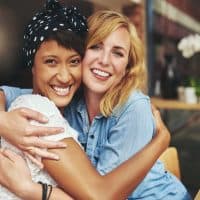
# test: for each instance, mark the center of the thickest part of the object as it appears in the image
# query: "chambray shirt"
(110, 141)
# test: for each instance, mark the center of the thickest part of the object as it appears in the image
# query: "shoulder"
(136, 100)
(31, 99)
(137, 95)
(35, 102)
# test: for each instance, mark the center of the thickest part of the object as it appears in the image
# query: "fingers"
(35, 160)
(42, 143)
(161, 129)
(155, 110)
(2, 156)
(33, 115)
(156, 114)
(34, 151)
(43, 131)
(9, 154)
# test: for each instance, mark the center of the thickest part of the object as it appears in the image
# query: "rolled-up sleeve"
(132, 131)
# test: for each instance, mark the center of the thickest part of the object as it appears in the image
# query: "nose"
(63, 74)
(104, 58)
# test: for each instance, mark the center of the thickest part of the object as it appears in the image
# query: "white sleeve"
(49, 109)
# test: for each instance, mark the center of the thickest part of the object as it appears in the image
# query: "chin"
(99, 90)
(60, 102)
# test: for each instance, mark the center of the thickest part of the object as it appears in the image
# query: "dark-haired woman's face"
(56, 73)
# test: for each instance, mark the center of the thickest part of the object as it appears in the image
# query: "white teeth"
(61, 91)
(100, 73)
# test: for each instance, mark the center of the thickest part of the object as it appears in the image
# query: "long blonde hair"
(101, 24)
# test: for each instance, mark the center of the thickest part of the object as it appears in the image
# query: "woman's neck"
(93, 104)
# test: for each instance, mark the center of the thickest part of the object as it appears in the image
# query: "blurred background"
(170, 32)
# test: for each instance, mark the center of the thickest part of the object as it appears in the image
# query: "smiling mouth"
(100, 73)
(61, 91)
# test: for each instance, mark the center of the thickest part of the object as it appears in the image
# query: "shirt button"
(92, 136)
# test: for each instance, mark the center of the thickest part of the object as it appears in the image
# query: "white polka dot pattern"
(51, 18)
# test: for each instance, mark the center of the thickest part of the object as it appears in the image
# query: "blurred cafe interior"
(170, 31)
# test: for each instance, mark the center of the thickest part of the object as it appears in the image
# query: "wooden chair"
(171, 161)
(197, 197)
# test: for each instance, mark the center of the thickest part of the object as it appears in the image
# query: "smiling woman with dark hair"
(54, 45)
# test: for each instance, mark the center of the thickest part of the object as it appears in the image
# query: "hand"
(16, 177)
(15, 127)
(14, 173)
(161, 129)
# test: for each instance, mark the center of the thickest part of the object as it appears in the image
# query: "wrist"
(32, 191)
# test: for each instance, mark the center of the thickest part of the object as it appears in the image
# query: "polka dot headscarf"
(52, 17)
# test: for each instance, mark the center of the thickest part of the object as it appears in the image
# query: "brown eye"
(50, 62)
(75, 62)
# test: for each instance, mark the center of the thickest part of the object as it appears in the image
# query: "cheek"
(120, 68)
(43, 76)
(84, 63)
(77, 74)
(88, 58)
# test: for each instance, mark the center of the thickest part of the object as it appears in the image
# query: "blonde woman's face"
(105, 63)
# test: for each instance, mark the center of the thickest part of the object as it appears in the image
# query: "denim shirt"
(110, 141)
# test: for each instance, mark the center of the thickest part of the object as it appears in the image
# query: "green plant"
(194, 82)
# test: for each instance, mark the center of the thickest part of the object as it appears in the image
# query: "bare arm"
(25, 137)
(77, 177)
(12, 167)
(115, 185)
(78, 169)
(74, 167)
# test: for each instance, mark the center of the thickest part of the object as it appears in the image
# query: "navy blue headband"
(52, 17)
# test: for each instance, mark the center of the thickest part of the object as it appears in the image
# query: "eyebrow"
(55, 56)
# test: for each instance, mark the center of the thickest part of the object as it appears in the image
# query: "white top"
(48, 108)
